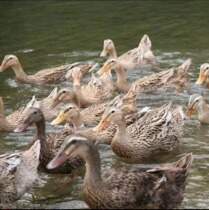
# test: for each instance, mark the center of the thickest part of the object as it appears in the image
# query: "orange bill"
(201, 78)
(60, 118)
(104, 69)
(190, 111)
(102, 125)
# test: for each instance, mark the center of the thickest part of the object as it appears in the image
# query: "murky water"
(47, 34)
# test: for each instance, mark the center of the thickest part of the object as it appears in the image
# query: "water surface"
(45, 34)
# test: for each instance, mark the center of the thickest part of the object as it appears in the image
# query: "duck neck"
(77, 90)
(2, 116)
(202, 108)
(19, 72)
(77, 121)
(121, 126)
(113, 53)
(121, 77)
(76, 100)
(121, 130)
(40, 130)
(207, 83)
(93, 167)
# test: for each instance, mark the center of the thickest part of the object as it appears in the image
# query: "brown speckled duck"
(46, 76)
(172, 78)
(95, 91)
(71, 113)
(50, 142)
(133, 58)
(126, 187)
(203, 75)
(18, 171)
(157, 131)
(93, 114)
(45, 105)
(197, 102)
(9, 122)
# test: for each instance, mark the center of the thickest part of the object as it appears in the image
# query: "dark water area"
(44, 34)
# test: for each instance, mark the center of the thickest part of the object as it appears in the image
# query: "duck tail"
(76, 75)
(145, 42)
(186, 65)
(34, 151)
(185, 162)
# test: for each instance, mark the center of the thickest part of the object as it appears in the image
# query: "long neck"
(203, 108)
(77, 121)
(19, 72)
(121, 77)
(207, 83)
(121, 131)
(40, 130)
(113, 53)
(93, 167)
(77, 90)
(2, 109)
(76, 100)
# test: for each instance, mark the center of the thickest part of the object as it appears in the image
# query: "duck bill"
(60, 118)
(55, 103)
(201, 79)
(3, 67)
(22, 127)
(104, 69)
(102, 125)
(60, 158)
(103, 53)
(190, 112)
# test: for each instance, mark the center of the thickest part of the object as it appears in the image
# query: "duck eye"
(35, 112)
(73, 141)
(64, 91)
(113, 111)
(207, 67)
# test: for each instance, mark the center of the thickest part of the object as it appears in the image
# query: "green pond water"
(45, 34)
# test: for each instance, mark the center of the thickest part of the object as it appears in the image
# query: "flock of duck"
(102, 112)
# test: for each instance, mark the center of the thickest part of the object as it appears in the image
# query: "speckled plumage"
(133, 58)
(157, 130)
(173, 78)
(45, 76)
(50, 143)
(127, 187)
(18, 171)
(9, 122)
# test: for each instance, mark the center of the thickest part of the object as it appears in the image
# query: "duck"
(126, 187)
(203, 75)
(92, 115)
(175, 77)
(71, 114)
(9, 122)
(45, 76)
(93, 92)
(49, 143)
(133, 58)
(45, 105)
(159, 130)
(197, 102)
(18, 171)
